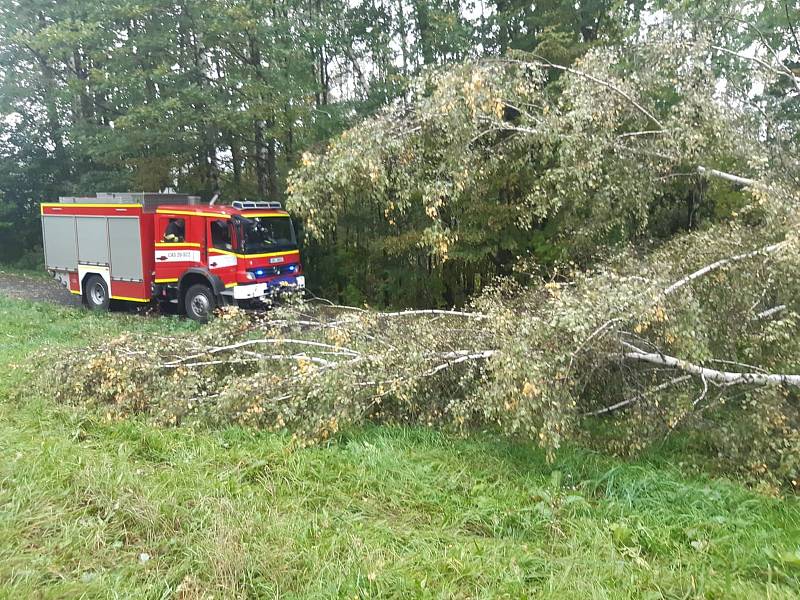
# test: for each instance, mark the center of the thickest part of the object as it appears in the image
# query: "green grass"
(38, 272)
(382, 512)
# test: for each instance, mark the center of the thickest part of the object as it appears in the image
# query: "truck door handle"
(162, 257)
(213, 264)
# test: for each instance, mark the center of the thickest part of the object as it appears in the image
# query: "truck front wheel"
(199, 302)
(95, 293)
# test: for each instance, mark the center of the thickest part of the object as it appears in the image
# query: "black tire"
(199, 303)
(96, 295)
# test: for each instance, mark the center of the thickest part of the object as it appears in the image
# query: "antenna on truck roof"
(214, 199)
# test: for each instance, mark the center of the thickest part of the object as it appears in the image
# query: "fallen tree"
(699, 333)
(684, 338)
(493, 162)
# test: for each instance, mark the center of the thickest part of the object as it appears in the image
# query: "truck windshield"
(266, 234)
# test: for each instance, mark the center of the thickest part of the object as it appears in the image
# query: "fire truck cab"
(171, 248)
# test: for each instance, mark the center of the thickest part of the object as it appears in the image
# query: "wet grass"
(94, 508)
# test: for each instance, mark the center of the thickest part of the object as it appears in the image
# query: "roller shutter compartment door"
(126, 248)
(92, 240)
(59, 242)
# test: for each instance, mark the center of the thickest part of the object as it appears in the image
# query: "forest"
(242, 97)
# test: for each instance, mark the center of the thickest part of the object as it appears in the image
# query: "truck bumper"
(256, 290)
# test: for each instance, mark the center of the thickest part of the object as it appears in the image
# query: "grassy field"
(91, 508)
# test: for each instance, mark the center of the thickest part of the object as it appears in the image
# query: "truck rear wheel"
(199, 302)
(95, 293)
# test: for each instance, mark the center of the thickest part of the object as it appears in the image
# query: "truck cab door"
(222, 259)
(179, 242)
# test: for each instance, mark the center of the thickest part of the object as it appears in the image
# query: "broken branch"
(720, 377)
(721, 263)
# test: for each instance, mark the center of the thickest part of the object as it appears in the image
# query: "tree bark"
(236, 159)
(272, 169)
(86, 106)
(262, 177)
(719, 264)
(424, 31)
(53, 119)
(721, 377)
(727, 176)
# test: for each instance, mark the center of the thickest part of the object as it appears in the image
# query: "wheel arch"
(86, 276)
(86, 271)
(195, 276)
(85, 283)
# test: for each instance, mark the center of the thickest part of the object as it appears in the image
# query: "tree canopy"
(517, 157)
(207, 96)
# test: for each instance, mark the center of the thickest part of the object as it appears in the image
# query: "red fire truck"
(171, 248)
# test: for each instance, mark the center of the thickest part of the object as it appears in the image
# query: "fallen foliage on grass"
(698, 336)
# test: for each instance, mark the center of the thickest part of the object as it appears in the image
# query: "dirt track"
(39, 289)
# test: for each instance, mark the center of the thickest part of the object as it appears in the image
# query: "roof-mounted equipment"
(246, 205)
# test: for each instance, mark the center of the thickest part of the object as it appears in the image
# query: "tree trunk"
(322, 65)
(84, 100)
(236, 159)
(266, 161)
(53, 120)
(262, 176)
(272, 169)
(721, 377)
(288, 151)
(424, 30)
(212, 171)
